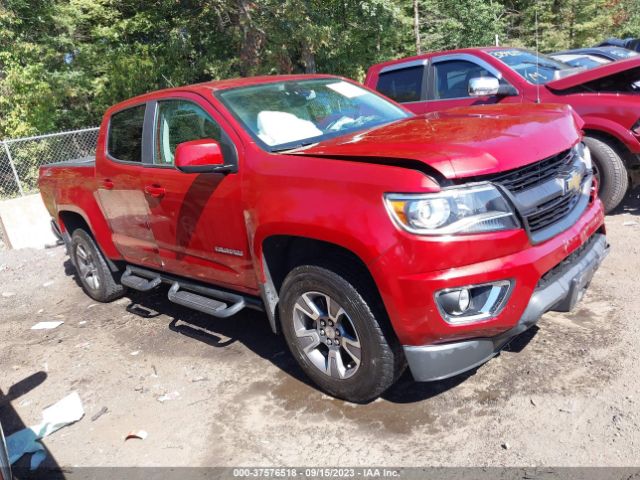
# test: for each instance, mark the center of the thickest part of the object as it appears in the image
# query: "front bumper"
(559, 290)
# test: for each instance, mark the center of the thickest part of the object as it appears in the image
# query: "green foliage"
(561, 24)
(464, 23)
(63, 62)
(626, 18)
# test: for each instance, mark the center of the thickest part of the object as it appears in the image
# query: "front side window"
(535, 68)
(181, 121)
(284, 115)
(403, 85)
(451, 78)
(125, 134)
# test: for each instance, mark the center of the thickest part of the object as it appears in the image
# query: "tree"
(465, 23)
(561, 24)
(63, 62)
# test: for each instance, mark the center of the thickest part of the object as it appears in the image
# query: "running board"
(131, 280)
(218, 303)
(206, 304)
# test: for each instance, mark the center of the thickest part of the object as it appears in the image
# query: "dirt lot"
(566, 394)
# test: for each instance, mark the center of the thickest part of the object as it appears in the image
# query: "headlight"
(583, 152)
(474, 209)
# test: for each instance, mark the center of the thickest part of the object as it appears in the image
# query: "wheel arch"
(282, 253)
(611, 140)
(70, 220)
(613, 134)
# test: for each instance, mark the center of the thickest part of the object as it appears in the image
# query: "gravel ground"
(215, 392)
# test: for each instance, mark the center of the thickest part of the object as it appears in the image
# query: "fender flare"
(613, 129)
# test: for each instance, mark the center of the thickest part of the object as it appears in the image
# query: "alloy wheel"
(87, 267)
(326, 335)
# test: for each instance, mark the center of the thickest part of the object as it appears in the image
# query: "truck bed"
(67, 183)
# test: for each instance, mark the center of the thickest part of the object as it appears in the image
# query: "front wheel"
(335, 337)
(610, 172)
(93, 272)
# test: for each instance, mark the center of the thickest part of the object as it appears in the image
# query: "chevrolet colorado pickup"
(606, 97)
(369, 236)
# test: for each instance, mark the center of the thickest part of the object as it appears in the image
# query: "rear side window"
(125, 134)
(404, 85)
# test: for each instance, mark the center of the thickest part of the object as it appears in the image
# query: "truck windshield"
(537, 69)
(290, 114)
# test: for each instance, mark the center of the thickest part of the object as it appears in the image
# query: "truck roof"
(424, 56)
(206, 88)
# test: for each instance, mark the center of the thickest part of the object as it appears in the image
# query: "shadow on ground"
(251, 328)
(630, 203)
(12, 422)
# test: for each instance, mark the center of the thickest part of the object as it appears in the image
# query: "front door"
(449, 79)
(196, 219)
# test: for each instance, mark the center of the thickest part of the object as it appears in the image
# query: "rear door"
(406, 83)
(119, 190)
(196, 219)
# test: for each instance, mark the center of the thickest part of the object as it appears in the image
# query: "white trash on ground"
(67, 411)
(169, 396)
(47, 325)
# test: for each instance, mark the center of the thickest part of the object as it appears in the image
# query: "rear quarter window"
(403, 85)
(125, 134)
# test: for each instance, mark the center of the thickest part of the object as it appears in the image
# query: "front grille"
(541, 195)
(531, 175)
(550, 212)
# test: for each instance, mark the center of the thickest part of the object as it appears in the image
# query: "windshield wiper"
(293, 147)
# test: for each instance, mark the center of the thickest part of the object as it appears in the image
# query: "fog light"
(473, 303)
(464, 300)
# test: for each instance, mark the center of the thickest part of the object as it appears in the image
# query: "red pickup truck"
(607, 98)
(371, 237)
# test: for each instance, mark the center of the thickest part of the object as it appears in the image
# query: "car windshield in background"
(286, 115)
(537, 69)
(581, 61)
(620, 53)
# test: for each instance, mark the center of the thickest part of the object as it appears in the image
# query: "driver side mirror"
(201, 156)
(489, 86)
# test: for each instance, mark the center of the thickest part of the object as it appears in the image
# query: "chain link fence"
(20, 158)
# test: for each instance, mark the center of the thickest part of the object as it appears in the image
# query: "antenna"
(168, 80)
(537, 61)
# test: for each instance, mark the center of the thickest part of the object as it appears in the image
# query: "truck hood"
(461, 142)
(608, 70)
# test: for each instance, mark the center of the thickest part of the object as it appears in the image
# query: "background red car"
(606, 98)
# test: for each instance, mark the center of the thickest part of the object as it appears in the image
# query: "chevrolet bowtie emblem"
(572, 183)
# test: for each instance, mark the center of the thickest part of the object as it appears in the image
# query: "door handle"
(107, 184)
(156, 191)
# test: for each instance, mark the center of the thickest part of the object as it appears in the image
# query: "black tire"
(611, 170)
(105, 289)
(381, 357)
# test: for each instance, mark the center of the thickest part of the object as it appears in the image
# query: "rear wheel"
(335, 337)
(93, 272)
(610, 172)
